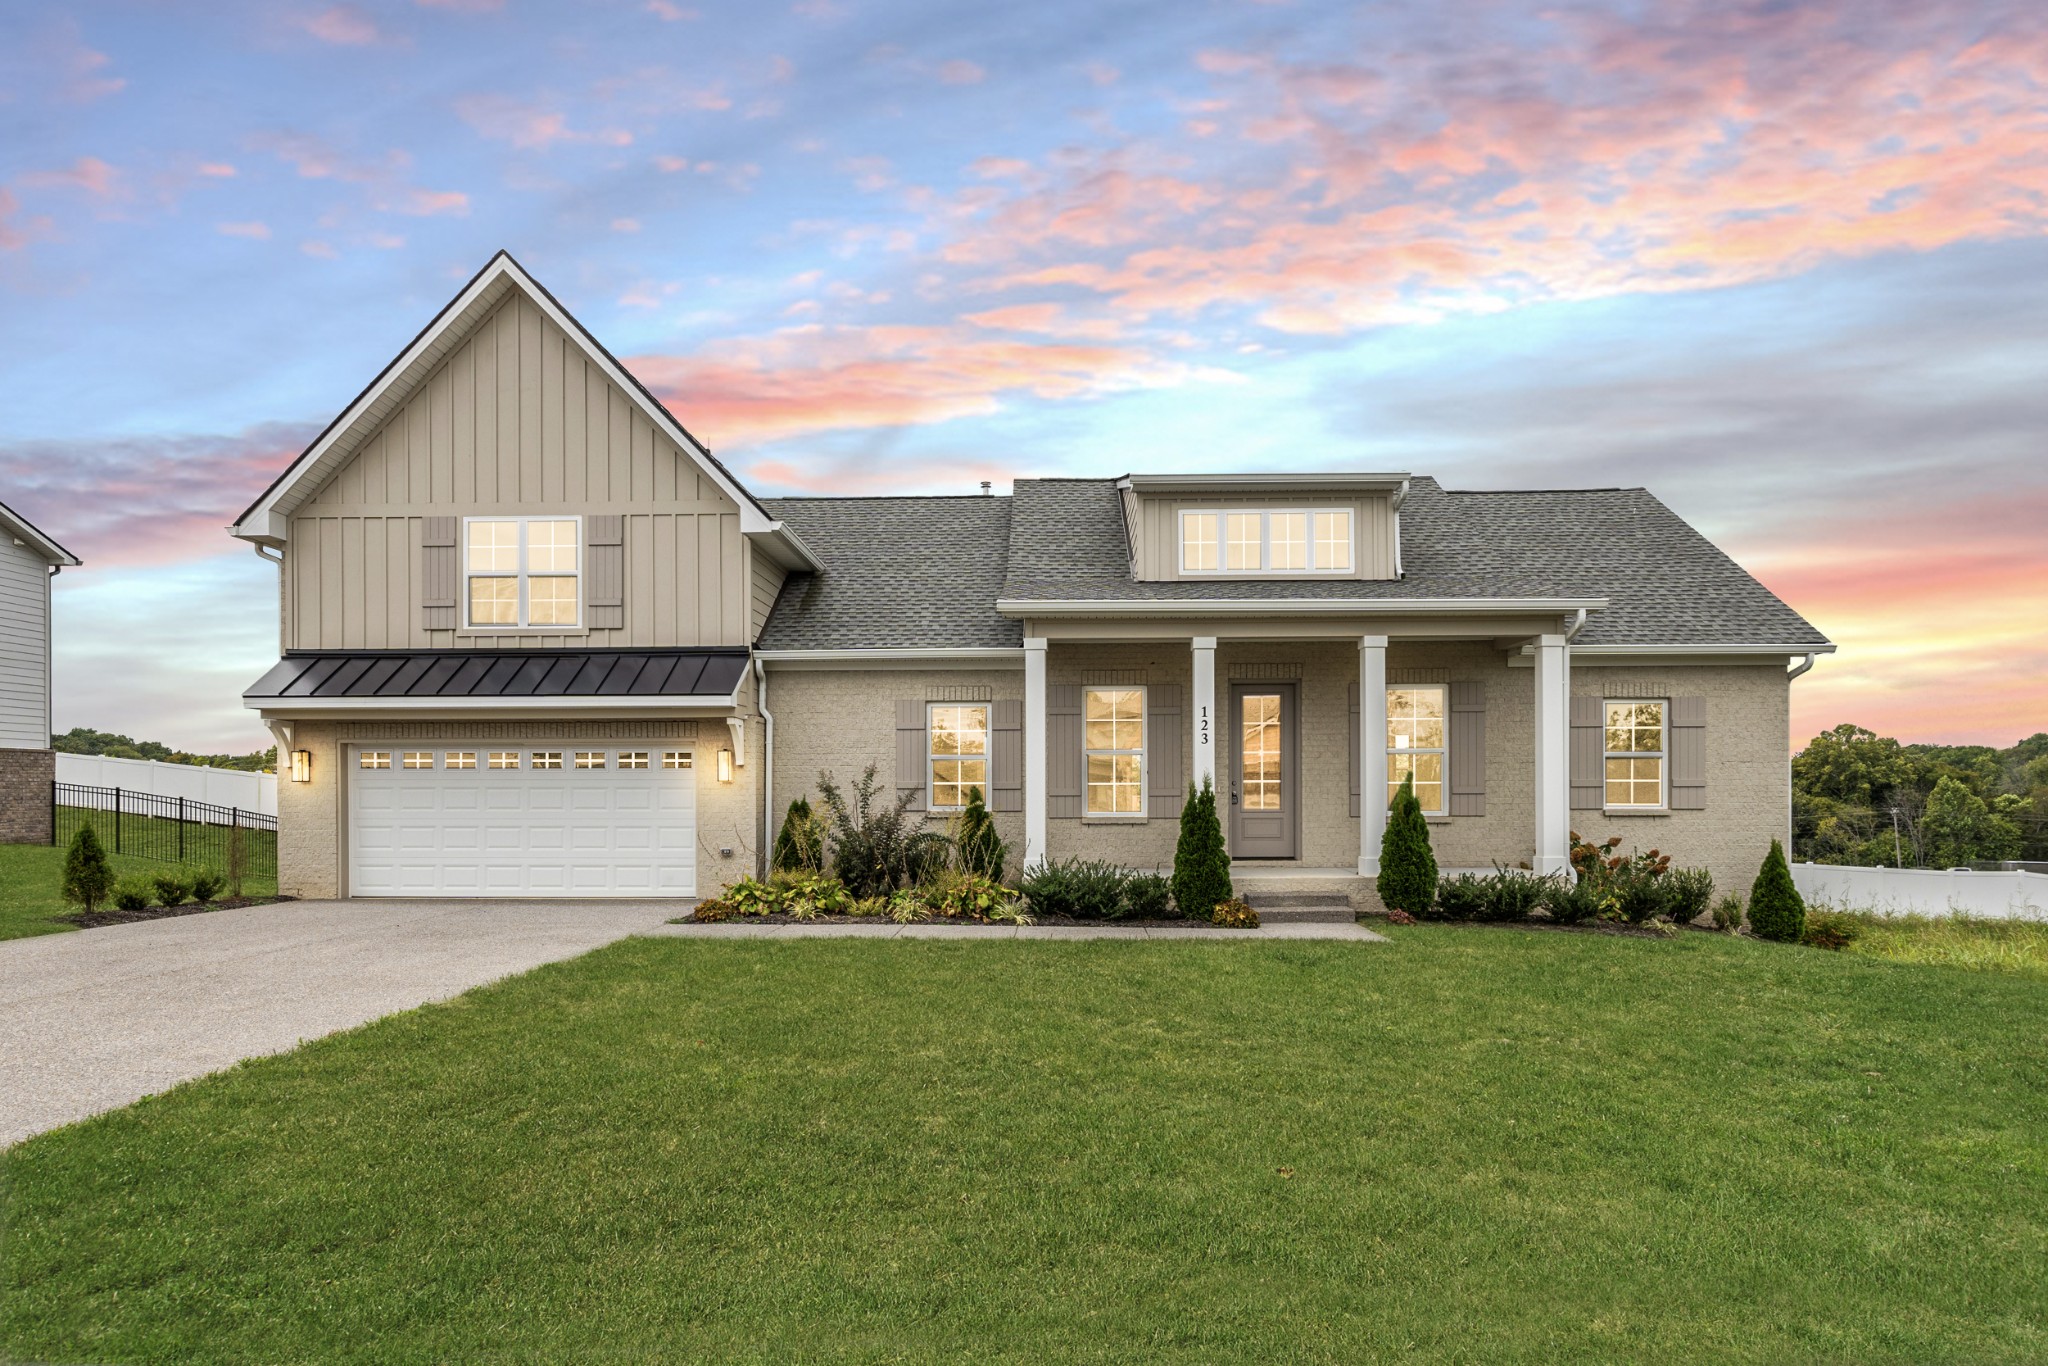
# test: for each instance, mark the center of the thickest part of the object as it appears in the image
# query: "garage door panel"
(600, 830)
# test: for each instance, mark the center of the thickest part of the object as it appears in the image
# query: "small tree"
(1201, 865)
(982, 850)
(800, 843)
(1407, 880)
(1776, 910)
(88, 880)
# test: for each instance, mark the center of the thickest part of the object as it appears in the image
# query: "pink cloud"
(258, 230)
(670, 12)
(343, 25)
(87, 174)
(323, 250)
(961, 72)
(531, 127)
(465, 6)
(18, 233)
(383, 179)
(216, 170)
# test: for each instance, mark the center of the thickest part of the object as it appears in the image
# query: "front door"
(1265, 810)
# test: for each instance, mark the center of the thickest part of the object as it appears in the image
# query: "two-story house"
(29, 560)
(537, 641)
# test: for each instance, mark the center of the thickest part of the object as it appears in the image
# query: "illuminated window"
(958, 755)
(1635, 754)
(633, 759)
(547, 758)
(418, 758)
(1113, 747)
(374, 758)
(1283, 541)
(459, 758)
(522, 571)
(1415, 744)
(590, 758)
(675, 758)
(504, 758)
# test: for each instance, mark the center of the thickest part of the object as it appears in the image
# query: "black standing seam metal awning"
(428, 674)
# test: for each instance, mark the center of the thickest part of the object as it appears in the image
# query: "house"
(538, 641)
(29, 560)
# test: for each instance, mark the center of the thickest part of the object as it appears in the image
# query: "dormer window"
(1266, 541)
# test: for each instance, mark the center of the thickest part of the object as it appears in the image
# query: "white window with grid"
(956, 738)
(1634, 754)
(1279, 541)
(522, 572)
(1416, 743)
(1113, 750)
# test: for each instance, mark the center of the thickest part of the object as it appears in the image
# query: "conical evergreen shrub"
(1407, 880)
(982, 850)
(800, 843)
(1776, 910)
(1201, 864)
(88, 879)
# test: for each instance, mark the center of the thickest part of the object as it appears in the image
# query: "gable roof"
(267, 518)
(938, 572)
(21, 527)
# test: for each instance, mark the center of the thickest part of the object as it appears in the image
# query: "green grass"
(1956, 941)
(1473, 1144)
(30, 875)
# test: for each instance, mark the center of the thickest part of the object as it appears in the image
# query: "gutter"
(993, 653)
(1212, 607)
(1803, 667)
(507, 706)
(1705, 648)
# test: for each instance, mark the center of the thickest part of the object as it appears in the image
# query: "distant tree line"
(82, 740)
(1863, 798)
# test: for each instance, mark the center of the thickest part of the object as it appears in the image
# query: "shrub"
(1827, 929)
(876, 850)
(1692, 892)
(1728, 913)
(970, 896)
(1512, 895)
(800, 843)
(751, 896)
(1463, 897)
(172, 888)
(87, 877)
(981, 849)
(1635, 889)
(1572, 900)
(906, 907)
(1201, 865)
(1775, 908)
(712, 911)
(1407, 880)
(1235, 914)
(132, 894)
(1148, 896)
(808, 895)
(1082, 889)
(868, 907)
(206, 884)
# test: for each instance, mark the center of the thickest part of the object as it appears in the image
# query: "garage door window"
(633, 758)
(459, 758)
(590, 758)
(676, 758)
(418, 758)
(504, 758)
(547, 758)
(374, 758)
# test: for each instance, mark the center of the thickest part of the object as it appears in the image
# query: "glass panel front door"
(1263, 819)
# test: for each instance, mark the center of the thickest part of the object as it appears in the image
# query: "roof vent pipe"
(987, 488)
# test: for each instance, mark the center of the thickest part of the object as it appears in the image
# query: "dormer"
(1196, 527)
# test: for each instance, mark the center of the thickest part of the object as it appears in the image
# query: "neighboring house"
(537, 641)
(28, 561)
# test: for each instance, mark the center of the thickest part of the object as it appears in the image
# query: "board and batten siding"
(24, 647)
(1158, 530)
(768, 578)
(515, 422)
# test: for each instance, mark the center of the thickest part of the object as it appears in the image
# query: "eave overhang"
(1321, 607)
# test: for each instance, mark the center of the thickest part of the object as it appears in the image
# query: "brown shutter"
(1063, 750)
(1165, 784)
(440, 577)
(1468, 747)
(1588, 753)
(1352, 750)
(910, 752)
(1006, 763)
(605, 566)
(1687, 726)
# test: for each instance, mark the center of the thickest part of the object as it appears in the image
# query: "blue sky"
(1781, 263)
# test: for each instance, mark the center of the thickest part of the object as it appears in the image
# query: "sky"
(1784, 264)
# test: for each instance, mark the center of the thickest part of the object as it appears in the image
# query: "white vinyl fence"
(1924, 891)
(218, 786)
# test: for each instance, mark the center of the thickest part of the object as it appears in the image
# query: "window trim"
(1662, 756)
(1221, 514)
(987, 755)
(1144, 752)
(521, 575)
(1442, 690)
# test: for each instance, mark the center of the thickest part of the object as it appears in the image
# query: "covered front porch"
(1294, 721)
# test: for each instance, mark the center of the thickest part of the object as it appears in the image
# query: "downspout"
(1578, 625)
(1804, 665)
(767, 759)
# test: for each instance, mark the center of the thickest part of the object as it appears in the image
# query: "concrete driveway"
(94, 1020)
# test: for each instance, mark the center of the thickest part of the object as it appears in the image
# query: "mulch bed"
(92, 920)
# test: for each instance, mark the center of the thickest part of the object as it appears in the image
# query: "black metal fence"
(168, 829)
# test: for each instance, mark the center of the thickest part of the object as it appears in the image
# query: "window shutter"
(440, 577)
(910, 752)
(1352, 749)
(1468, 747)
(1063, 750)
(604, 564)
(1588, 749)
(1687, 727)
(1165, 785)
(1006, 761)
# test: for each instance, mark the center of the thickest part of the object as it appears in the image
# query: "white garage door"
(485, 820)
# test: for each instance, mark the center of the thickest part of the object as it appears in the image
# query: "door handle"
(1233, 794)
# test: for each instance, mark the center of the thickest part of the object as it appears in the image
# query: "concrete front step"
(1285, 886)
(1340, 914)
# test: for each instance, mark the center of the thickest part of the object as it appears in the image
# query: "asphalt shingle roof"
(928, 571)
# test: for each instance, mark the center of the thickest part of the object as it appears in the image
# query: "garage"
(493, 819)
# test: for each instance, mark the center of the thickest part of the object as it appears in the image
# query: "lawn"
(31, 873)
(1471, 1144)
(1958, 941)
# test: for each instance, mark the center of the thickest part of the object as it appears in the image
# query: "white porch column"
(1553, 740)
(1034, 751)
(1372, 752)
(1203, 715)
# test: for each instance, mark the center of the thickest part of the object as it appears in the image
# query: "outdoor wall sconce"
(302, 765)
(725, 765)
